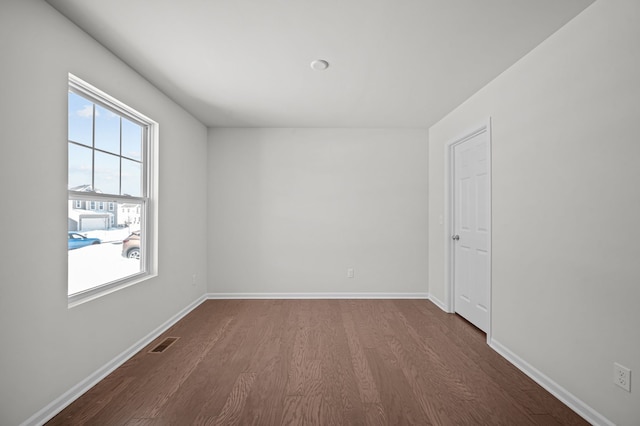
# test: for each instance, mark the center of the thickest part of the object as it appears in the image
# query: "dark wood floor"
(319, 362)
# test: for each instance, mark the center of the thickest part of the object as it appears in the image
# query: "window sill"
(103, 290)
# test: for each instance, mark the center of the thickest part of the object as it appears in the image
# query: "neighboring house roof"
(85, 188)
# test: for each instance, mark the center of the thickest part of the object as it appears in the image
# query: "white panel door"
(471, 239)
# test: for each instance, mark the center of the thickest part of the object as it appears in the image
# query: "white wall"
(46, 347)
(291, 209)
(566, 199)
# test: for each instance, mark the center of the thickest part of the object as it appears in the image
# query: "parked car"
(77, 241)
(131, 246)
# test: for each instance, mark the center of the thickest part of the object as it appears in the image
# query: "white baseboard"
(439, 303)
(317, 296)
(573, 402)
(60, 403)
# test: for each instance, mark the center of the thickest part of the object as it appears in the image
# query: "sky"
(118, 154)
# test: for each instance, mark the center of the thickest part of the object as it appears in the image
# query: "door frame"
(484, 127)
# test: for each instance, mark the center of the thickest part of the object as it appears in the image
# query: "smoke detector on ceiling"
(319, 65)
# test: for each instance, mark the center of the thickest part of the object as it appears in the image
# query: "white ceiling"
(393, 63)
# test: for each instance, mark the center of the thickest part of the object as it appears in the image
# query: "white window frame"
(148, 200)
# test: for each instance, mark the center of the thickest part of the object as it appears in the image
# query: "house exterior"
(128, 215)
(91, 215)
(81, 219)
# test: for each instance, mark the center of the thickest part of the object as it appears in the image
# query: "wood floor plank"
(301, 366)
(265, 401)
(366, 385)
(318, 362)
(306, 406)
(400, 406)
(375, 415)
(147, 422)
(339, 386)
(294, 411)
(230, 413)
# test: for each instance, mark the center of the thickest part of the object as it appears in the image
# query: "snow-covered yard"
(110, 235)
(99, 264)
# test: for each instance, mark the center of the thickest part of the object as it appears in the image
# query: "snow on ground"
(99, 264)
(109, 235)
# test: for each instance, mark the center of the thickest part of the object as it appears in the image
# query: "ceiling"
(393, 63)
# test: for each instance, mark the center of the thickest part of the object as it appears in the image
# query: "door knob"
(455, 237)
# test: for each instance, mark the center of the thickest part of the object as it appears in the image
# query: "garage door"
(93, 223)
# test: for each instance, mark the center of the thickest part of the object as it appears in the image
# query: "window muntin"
(110, 150)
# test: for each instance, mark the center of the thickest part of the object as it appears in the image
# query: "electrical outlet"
(193, 279)
(350, 272)
(622, 376)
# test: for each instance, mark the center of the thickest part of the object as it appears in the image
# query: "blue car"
(76, 241)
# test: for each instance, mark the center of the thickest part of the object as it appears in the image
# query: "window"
(111, 150)
(78, 204)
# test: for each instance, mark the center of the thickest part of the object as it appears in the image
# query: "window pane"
(131, 178)
(131, 140)
(107, 173)
(103, 246)
(107, 130)
(79, 167)
(80, 119)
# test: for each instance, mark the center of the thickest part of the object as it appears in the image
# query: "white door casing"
(469, 227)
